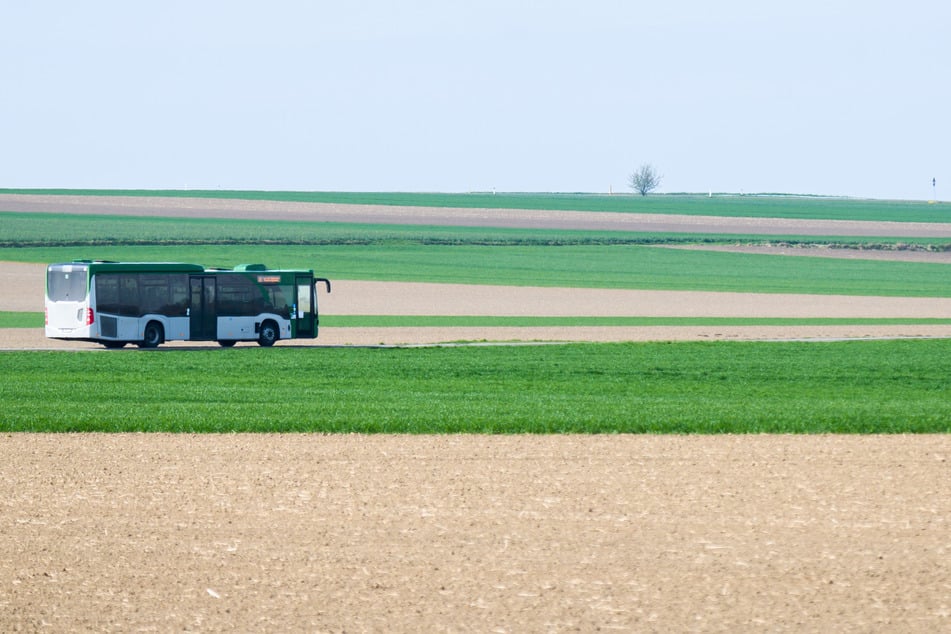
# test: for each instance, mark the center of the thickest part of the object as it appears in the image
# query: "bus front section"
(69, 314)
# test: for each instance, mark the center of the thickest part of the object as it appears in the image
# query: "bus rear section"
(115, 303)
(68, 311)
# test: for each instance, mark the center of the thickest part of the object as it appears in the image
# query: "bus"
(149, 303)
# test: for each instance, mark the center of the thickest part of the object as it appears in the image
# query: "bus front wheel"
(152, 336)
(268, 334)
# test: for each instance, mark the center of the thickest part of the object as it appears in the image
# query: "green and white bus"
(149, 303)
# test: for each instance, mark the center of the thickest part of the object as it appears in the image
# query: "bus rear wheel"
(268, 334)
(226, 343)
(152, 336)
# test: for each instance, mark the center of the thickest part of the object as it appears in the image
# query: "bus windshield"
(66, 283)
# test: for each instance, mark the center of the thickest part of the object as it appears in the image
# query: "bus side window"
(279, 299)
(107, 293)
(236, 296)
(158, 292)
(178, 296)
(154, 290)
(129, 295)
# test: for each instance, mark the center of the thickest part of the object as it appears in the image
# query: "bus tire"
(268, 334)
(152, 336)
(113, 345)
(227, 343)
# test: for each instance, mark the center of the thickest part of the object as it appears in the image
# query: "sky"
(816, 97)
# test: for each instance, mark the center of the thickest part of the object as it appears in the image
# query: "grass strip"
(12, 319)
(716, 387)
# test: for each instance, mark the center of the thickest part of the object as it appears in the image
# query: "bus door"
(304, 319)
(204, 316)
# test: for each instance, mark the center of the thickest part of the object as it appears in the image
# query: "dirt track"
(153, 532)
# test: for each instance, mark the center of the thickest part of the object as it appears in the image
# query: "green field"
(10, 319)
(846, 387)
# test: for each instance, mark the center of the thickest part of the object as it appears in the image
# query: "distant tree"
(645, 179)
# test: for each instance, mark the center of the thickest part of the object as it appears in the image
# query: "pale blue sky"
(811, 97)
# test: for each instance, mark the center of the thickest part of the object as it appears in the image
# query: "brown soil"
(313, 533)
(154, 532)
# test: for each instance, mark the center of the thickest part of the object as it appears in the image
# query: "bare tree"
(645, 179)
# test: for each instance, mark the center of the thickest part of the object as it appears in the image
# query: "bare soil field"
(351, 533)
(151, 532)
